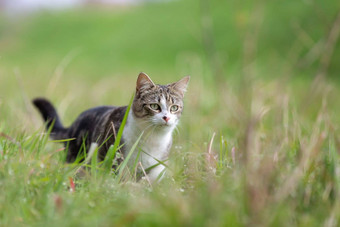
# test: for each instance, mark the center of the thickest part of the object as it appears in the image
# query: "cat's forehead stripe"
(154, 95)
(163, 103)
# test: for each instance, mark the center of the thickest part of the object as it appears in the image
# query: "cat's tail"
(51, 118)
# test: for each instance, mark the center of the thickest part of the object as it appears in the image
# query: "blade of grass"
(126, 160)
(221, 152)
(43, 141)
(146, 176)
(94, 161)
(136, 162)
(62, 141)
(110, 155)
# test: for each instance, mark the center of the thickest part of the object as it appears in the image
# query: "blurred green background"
(93, 49)
(264, 77)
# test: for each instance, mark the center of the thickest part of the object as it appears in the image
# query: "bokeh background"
(264, 79)
(89, 52)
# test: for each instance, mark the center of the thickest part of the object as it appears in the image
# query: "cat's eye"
(174, 108)
(155, 106)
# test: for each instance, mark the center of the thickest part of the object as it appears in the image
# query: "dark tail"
(51, 117)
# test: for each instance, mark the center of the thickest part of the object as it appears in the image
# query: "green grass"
(274, 158)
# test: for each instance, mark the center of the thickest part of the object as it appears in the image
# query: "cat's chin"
(166, 125)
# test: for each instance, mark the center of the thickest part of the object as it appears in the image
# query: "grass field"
(258, 143)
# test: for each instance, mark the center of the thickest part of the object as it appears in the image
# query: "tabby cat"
(155, 111)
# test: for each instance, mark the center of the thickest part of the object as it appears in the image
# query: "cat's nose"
(166, 119)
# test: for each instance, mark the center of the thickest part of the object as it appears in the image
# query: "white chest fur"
(154, 144)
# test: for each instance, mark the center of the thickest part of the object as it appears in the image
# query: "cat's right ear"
(181, 85)
(144, 81)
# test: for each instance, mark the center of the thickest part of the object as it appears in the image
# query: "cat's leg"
(156, 174)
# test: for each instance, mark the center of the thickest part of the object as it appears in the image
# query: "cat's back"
(97, 111)
(94, 114)
(92, 118)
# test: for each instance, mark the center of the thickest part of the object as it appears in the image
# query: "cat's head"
(160, 105)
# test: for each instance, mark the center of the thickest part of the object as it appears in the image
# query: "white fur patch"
(154, 143)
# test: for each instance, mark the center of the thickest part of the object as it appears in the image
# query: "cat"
(155, 112)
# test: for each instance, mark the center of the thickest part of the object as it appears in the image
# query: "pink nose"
(166, 119)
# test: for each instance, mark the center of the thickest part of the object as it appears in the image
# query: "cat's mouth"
(167, 124)
(164, 124)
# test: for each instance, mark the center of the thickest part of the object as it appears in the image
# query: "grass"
(258, 142)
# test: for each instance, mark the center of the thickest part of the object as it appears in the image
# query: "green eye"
(155, 106)
(174, 108)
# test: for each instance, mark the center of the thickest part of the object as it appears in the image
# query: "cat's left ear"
(181, 85)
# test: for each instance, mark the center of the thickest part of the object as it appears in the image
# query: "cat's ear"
(181, 85)
(144, 80)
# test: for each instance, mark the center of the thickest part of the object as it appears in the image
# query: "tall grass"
(277, 167)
